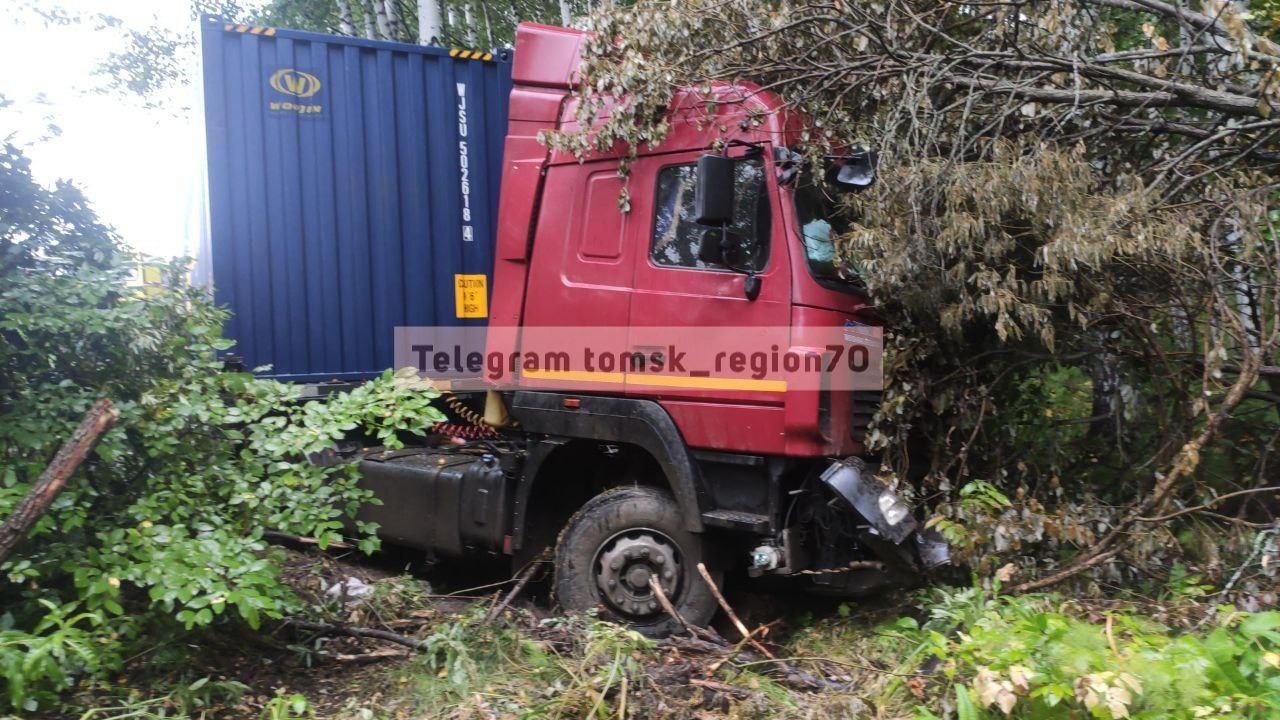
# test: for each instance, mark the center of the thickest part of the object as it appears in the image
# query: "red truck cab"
(567, 254)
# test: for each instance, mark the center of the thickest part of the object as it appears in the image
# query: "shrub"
(161, 530)
(1038, 657)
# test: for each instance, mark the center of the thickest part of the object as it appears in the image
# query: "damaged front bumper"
(891, 527)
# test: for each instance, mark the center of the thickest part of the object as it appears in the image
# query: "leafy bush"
(1037, 657)
(161, 529)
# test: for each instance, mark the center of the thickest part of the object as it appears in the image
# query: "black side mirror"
(713, 195)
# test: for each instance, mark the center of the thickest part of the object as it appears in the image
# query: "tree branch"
(46, 488)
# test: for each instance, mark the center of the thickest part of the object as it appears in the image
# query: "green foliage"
(48, 656)
(149, 63)
(198, 698)
(466, 23)
(1037, 657)
(288, 706)
(161, 529)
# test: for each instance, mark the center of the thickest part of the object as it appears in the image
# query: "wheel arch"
(632, 423)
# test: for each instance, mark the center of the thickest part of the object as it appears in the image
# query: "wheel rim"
(625, 562)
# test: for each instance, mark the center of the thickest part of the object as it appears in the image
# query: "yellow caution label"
(471, 296)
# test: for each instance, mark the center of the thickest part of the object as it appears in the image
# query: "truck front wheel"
(614, 544)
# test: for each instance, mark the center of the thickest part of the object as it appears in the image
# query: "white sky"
(139, 167)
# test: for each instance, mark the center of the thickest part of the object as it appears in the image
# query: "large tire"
(614, 543)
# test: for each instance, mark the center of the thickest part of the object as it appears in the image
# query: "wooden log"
(97, 421)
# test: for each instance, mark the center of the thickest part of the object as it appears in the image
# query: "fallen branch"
(665, 602)
(693, 645)
(839, 663)
(1184, 464)
(100, 418)
(358, 632)
(724, 605)
(723, 688)
(737, 650)
(1211, 503)
(277, 537)
(521, 580)
(369, 657)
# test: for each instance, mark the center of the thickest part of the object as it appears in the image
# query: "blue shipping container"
(350, 183)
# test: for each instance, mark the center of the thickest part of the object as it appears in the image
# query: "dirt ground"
(524, 662)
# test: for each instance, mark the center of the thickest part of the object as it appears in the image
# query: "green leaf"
(965, 709)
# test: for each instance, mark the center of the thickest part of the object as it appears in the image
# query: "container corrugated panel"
(350, 183)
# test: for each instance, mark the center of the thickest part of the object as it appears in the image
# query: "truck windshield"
(820, 225)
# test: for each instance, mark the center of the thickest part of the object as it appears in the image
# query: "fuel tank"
(449, 501)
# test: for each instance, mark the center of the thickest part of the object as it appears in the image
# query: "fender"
(643, 423)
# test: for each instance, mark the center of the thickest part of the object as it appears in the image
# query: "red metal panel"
(546, 56)
(728, 427)
(600, 241)
(565, 288)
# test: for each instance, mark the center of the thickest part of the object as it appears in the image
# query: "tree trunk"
(565, 13)
(394, 21)
(345, 24)
(488, 24)
(366, 7)
(430, 23)
(97, 421)
(384, 31)
(469, 19)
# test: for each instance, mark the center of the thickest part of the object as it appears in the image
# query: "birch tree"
(368, 16)
(430, 25)
(346, 25)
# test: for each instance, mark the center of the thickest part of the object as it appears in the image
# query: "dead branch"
(724, 605)
(1185, 462)
(665, 602)
(357, 632)
(283, 538)
(366, 658)
(1226, 103)
(521, 580)
(737, 649)
(100, 418)
(1211, 503)
(724, 688)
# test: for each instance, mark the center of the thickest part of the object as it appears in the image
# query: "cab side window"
(677, 238)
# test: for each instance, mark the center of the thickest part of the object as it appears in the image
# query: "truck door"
(673, 288)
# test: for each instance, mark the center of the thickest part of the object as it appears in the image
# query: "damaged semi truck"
(363, 193)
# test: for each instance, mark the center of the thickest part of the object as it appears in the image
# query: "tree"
(1073, 236)
(152, 61)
